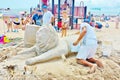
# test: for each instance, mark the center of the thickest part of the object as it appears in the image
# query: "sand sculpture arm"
(28, 50)
(60, 50)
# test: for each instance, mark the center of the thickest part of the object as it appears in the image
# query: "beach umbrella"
(11, 14)
(22, 12)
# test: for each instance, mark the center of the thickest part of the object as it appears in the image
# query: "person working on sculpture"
(88, 47)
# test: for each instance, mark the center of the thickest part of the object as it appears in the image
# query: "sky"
(17, 4)
(106, 6)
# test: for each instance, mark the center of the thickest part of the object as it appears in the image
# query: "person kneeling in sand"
(88, 47)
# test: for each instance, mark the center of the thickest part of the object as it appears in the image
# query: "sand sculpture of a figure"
(48, 45)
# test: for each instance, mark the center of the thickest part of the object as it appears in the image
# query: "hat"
(44, 7)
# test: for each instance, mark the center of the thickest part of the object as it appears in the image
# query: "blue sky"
(107, 6)
(16, 4)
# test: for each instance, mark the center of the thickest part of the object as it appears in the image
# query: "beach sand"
(57, 69)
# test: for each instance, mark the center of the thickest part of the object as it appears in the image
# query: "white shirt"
(47, 18)
(90, 37)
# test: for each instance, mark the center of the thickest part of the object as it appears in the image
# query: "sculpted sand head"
(46, 39)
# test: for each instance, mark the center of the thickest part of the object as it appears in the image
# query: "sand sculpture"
(48, 45)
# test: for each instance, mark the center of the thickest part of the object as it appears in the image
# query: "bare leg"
(65, 32)
(62, 33)
(17, 28)
(86, 63)
(99, 64)
(8, 26)
(11, 27)
(117, 25)
(66, 29)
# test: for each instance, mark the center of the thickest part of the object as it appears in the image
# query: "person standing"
(16, 22)
(48, 17)
(117, 22)
(37, 18)
(65, 23)
(9, 24)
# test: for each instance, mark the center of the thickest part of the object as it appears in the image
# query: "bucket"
(106, 48)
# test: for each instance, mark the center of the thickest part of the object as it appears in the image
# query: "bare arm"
(77, 32)
(80, 36)
(52, 19)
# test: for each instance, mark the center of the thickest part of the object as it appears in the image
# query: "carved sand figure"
(48, 45)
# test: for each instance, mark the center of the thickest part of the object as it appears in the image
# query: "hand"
(75, 43)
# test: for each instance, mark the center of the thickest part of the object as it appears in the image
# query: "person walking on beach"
(117, 22)
(88, 47)
(48, 17)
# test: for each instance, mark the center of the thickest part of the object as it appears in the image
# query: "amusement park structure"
(78, 12)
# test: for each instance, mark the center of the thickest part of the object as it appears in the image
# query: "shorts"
(16, 23)
(86, 52)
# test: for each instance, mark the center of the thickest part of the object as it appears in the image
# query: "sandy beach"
(57, 69)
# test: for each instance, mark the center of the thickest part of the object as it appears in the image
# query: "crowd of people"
(10, 22)
(37, 17)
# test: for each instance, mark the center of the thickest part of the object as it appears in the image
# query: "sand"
(57, 69)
